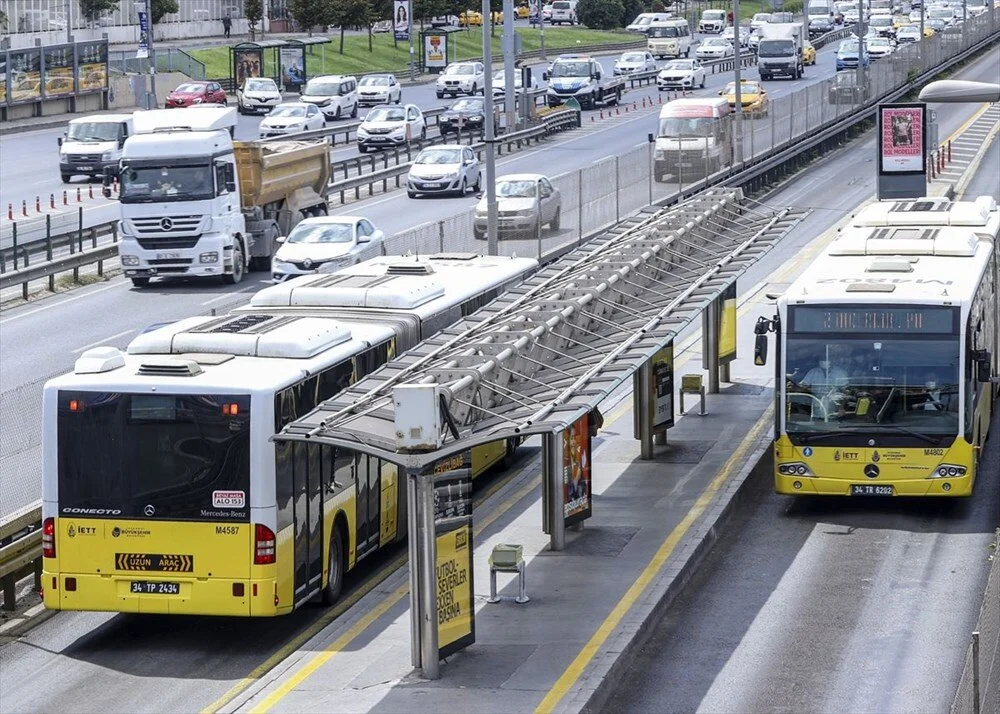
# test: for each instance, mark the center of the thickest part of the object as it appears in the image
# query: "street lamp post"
(489, 136)
(738, 130)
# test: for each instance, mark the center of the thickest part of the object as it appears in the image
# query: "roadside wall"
(988, 627)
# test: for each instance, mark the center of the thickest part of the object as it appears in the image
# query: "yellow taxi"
(752, 95)
(497, 18)
(808, 53)
(522, 12)
(899, 21)
(929, 31)
(470, 18)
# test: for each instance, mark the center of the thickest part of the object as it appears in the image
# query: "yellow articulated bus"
(887, 354)
(162, 490)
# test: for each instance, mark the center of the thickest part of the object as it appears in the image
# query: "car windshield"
(682, 65)
(941, 13)
(849, 46)
(642, 20)
(761, 17)
(879, 42)
(288, 111)
(261, 85)
(322, 89)
(516, 189)
(322, 233)
(439, 156)
(677, 128)
(93, 131)
(713, 15)
(745, 88)
(633, 57)
(468, 105)
(386, 114)
(374, 82)
(190, 88)
(146, 184)
(664, 32)
(880, 21)
(715, 42)
(571, 69)
(460, 69)
(776, 48)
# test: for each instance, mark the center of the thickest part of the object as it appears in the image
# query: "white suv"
(461, 77)
(335, 95)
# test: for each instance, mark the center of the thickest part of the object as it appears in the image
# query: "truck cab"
(581, 77)
(92, 144)
(779, 52)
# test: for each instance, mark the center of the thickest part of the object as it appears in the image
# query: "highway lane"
(92, 661)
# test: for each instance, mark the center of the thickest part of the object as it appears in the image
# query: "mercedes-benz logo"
(871, 471)
(307, 263)
(149, 510)
(167, 224)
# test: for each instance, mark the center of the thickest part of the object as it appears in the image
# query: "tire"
(687, 52)
(354, 111)
(239, 109)
(702, 85)
(474, 89)
(66, 178)
(423, 133)
(592, 102)
(464, 189)
(363, 149)
(440, 95)
(411, 194)
(554, 223)
(337, 115)
(478, 234)
(140, 282)
(237, 275)
(335, 568)
(476, 188)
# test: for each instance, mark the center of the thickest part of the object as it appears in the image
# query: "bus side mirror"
(760, 350)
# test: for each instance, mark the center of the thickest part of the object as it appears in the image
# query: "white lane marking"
(228, 295)
(62, 302)
(102, 342)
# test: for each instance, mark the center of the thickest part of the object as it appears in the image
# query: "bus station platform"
(588, 604)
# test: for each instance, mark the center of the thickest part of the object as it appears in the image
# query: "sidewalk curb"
(612, 662)
(33, 616)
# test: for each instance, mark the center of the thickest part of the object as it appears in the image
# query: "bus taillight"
(263, 551)
(49, 538)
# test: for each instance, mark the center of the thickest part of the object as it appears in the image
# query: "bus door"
(307, 511)
(368, 506)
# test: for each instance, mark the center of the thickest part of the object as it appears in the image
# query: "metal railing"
(20, 551)
(169, 59)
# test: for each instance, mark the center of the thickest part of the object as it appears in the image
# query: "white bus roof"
(185, 119)
(928, 251)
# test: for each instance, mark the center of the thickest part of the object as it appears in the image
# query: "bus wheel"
(335, 569)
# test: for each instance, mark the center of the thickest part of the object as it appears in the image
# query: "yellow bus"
(162, 490)
(887, 354)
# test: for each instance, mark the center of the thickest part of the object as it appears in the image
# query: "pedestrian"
(227, 24)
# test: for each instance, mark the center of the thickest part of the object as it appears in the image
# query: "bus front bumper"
(197, 596)
(817, 486)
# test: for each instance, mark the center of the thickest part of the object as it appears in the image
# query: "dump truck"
(195, 203)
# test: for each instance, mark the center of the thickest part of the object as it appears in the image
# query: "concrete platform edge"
(612, 662)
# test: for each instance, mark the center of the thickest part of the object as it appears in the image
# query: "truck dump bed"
(274, 170)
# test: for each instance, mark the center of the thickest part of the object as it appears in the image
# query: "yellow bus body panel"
(835, 468)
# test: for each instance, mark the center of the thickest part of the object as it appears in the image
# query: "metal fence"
(169, 59)
(24, 16)
(979, 689)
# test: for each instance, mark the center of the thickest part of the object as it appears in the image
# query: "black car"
(846, 89)
(820, 26)
(466, 114)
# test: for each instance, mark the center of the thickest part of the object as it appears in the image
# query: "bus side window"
(285, 408)
(307, 392)
(334, 380)
(283, 485)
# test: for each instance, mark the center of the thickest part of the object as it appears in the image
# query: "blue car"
(847, 55)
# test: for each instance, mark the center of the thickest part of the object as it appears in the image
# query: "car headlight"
(211, 257)
(279, 265)
(795, 469)
(399, 131)
(129, 259)
(108, 155)
(362, 131)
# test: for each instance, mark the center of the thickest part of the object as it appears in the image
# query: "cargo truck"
(196, 203)
(780, 50)
(582, 78)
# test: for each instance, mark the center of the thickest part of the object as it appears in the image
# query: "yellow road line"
(338, 645)
(576, 667)
(967, 124)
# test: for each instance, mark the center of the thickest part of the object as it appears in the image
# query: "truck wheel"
(140, 282)
(237, 274)
(335, 568)
(66, 177)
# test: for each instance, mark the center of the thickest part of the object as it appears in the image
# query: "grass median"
(389, 57)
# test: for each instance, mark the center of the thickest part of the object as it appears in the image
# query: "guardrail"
(20, 551)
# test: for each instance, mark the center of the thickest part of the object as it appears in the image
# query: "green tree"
(254, 12)
(352, 13)
(3, 21)
(159, 8)
(632, 9)
(600, 14)
(657, 6)
(309, 14)
(93, 10)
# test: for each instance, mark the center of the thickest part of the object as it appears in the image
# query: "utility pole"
(152, 54)
(69, 20)
(509, 52)
(738, 124)
(409, 32)
(489, 134)
(859, 76)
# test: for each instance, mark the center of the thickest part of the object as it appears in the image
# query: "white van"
(670, 38)
(563, 12)
(335, 95)
(643, 20)
(93, 143)
(694, 138)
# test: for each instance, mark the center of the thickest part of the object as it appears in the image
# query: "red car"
(197, 93)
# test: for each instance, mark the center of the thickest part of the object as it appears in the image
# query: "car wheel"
(237, 275)
(337, 115)
(66, 177)
(423, 133)
(335, 568)
(478, 234)
(473, 90)
(140, 282)
(354, 111)
(440, 95)
(465, 188)
(476, 187)
(554, 223)
(362, 148)
(411, 194)
(702, 85)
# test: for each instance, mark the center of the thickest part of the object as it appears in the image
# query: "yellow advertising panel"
(727, 325)
(92, 67)
(455, 607)
(25, 75)
(59, 71)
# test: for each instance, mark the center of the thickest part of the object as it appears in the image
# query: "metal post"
(642, 388)
(617, 193)
(152, 55)
(409, 32)
(579, 204)
(553, 474)
(427, 578)
(860, 72)
(976, 704)
(652, 169)
(738, 123)
(509, 94)
(541, 30)
(489, 137)
(69, 20)
(710, 344)
(413, 541)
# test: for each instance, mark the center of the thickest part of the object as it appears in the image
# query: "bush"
(600, 14)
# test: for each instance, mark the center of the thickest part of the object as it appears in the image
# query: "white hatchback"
(258, 95)
(289, 119)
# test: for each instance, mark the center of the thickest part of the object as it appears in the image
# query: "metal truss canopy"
(540, 356)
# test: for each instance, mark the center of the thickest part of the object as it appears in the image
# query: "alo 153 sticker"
(229, 499)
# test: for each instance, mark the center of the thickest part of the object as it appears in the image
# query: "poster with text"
(92, 67)
(663, 387)
(436, 50)
(902, 138)
(453, 564)
(246, 64)
(293, 66)
(401, 19)
(59, 71)
(25, 69)
(576, 471)
(142, 51)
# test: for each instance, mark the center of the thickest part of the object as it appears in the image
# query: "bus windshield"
(677, 128)
(901, 381)
(154, 456)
